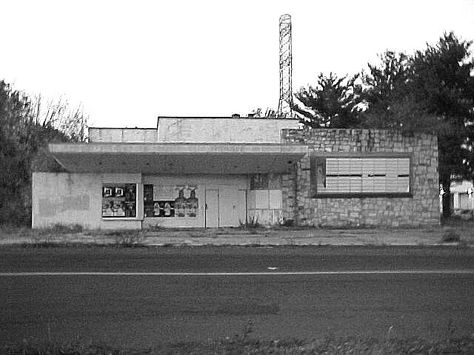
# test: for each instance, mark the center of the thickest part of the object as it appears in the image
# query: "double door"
(225, 207)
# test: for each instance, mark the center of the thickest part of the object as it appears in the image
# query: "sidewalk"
(245, 237)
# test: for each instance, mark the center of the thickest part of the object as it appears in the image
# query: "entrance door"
(242, 207)
(212, 208)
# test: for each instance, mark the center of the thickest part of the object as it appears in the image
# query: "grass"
(244, 344)
(453, 230)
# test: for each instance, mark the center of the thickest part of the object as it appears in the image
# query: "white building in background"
(462, 193)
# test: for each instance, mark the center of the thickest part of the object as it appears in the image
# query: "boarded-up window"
(259, 182)
(360, 175)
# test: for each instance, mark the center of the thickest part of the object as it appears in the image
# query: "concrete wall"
(123, 135)
(198, 130)
(67, 199)
(231, 207)
(422, 208)
(64, 198)
(222, 130)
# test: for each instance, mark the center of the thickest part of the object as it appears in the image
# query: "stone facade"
(420, 208)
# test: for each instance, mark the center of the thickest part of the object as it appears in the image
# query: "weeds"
(35, 347)
(155, 228)
(287, 223)
(244, 344)
(450, 236)
(49, 237)
(128, 239)
(251, 223)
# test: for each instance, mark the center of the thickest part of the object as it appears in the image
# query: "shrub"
(250, 223)
(450, 236)
(287, 222)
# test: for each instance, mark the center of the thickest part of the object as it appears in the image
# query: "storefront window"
(170, 201)
(119, 200)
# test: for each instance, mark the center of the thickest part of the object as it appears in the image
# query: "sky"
(128, 62)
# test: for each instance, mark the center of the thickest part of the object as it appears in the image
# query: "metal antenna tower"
(286, 68)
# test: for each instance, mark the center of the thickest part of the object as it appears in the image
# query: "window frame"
(119, 185)
(346, 155)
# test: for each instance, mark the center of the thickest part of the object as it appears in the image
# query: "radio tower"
(286, 68)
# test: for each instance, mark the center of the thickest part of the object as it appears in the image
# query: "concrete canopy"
(177, 158)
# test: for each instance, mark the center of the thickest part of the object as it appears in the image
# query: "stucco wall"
(422, 208)
(231, 199)
(67, 199)
(222, 130)
(64, 198)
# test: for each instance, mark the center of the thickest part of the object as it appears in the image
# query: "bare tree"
(61, 115)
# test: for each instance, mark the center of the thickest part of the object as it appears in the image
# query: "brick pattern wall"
(420, 209)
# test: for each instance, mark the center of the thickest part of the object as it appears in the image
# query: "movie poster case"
(170, 201)
(119, 200)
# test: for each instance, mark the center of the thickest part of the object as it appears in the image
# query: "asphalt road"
(140, 310)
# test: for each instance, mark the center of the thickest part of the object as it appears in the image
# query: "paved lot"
(140, 310)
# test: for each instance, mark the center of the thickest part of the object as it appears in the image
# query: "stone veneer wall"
(420, 209)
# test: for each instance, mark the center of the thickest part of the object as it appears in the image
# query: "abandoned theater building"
(227, 171)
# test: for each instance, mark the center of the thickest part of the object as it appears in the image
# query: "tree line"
(27, 125)
(429, 91)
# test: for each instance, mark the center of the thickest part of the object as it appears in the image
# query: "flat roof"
(177, 158)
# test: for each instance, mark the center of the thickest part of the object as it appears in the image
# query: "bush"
(450, 236)
(250, 223)
(14, 212)
(287, 223)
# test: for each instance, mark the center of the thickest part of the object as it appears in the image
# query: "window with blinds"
(377, 175)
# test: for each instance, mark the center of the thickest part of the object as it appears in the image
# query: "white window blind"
(363, 175)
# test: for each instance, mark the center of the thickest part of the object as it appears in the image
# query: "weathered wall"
(123, 135)
(422, 208)
(222, 130)
(198, 130)
(231, 199)
(265, 205)
(64, 198)
(67, 199)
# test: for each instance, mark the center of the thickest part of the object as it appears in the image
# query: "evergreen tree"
(431, 91)
(442, 81)
(331, 103)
